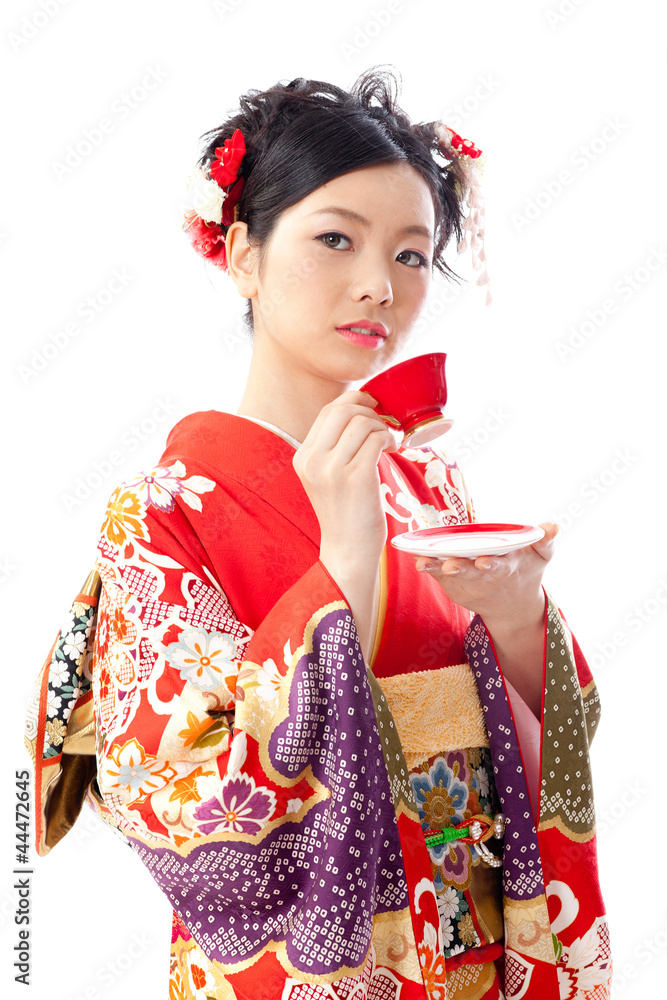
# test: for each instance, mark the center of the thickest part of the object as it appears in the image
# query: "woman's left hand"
(499, 588)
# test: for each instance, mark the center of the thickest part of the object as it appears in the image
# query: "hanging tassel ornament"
(470, 159)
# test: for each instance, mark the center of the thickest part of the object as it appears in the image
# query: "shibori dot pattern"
(303, 878)
(372, 983)
(566, 786)
(522, 868)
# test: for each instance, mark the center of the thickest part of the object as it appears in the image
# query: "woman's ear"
(241, 259)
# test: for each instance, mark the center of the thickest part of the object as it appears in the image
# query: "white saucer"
(467, 541)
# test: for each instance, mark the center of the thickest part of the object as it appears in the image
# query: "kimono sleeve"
(246, 769)
(450, 482)
(169, 655)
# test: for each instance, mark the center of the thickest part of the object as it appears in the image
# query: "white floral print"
(203, 657)
(269, 680)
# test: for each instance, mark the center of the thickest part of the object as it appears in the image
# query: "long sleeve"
(252, 772)
(557, 937)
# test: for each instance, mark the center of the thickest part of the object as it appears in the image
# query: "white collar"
(272, 427)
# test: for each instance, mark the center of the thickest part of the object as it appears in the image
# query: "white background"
(537, 85)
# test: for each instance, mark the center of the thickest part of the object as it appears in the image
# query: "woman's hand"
(499, 588)
(337, 464)
(507, 592)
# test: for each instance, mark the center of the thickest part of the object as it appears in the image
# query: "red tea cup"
(411, 397)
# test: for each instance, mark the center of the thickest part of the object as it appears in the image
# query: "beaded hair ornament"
(214, 192)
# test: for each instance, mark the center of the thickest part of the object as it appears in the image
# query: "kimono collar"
(258, 459)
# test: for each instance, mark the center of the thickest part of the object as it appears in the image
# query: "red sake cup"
(411, 397)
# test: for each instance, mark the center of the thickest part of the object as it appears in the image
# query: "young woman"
(353, 772)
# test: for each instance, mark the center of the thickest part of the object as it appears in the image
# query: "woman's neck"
(290, 399)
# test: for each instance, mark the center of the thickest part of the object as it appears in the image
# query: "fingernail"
(452, 572)
(485, 565)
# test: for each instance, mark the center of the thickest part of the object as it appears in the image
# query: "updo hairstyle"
(304, 133)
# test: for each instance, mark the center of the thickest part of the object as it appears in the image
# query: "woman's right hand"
(337, 465)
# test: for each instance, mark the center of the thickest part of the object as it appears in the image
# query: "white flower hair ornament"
(215, 190)
(214, 193)
(453, 147)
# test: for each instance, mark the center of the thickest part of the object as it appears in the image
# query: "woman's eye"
(422, 261)
(325, 237)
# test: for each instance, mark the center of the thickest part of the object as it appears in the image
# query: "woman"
(317, 754)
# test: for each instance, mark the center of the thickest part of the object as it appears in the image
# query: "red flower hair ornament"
(214, 192)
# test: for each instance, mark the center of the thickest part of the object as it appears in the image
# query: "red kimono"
(321, 827)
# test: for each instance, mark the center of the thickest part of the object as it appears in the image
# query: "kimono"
(323, 827)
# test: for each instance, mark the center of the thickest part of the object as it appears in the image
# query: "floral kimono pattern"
(279, 789)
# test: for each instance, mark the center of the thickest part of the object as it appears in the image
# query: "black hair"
(301, 134)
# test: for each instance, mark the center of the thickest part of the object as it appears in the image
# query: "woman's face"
(357, 249)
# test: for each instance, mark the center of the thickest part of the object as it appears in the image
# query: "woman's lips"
(364, 333)
(371, 341)
(365, 325)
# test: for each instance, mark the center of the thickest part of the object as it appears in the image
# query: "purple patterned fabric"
(345, 853)
(522, 868)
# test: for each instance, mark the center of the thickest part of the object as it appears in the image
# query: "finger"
(427, 562)
(355, 448)
(499, 567)
(451, 566)
(369, 442)
(337, 407)
(396, 439)
(448, 567)
(358, 396)
(546, 545)
(332, 420)
(365, 398)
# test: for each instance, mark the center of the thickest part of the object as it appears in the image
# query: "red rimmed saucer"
(468, 541)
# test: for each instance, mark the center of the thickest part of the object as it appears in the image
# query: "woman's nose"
(372, 282)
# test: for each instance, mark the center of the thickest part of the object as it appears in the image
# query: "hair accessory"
(215, 192)
(470, 158)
